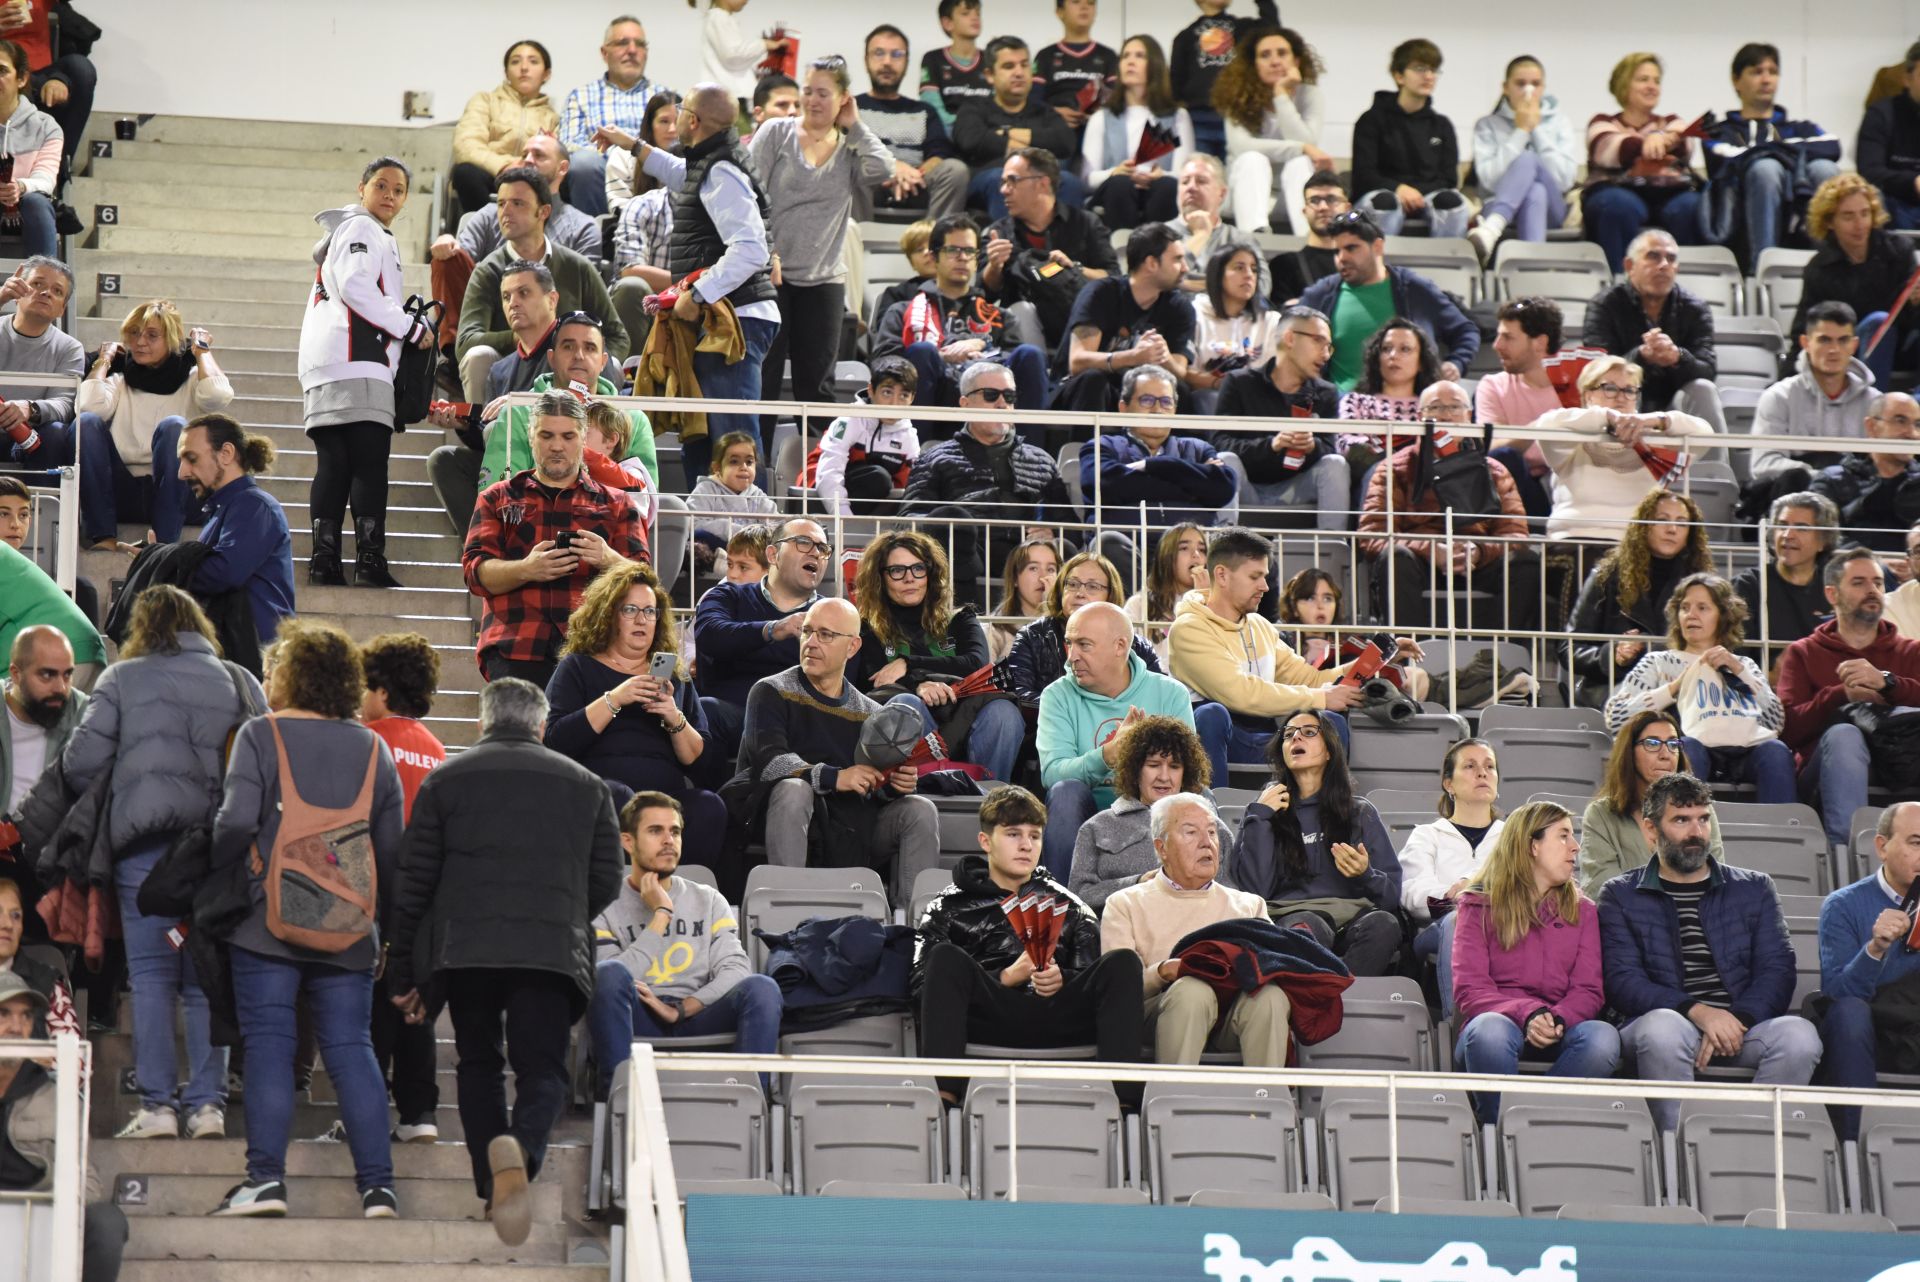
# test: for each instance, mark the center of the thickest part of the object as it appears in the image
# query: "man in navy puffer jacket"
(1696, 957)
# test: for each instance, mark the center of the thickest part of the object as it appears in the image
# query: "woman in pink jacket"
(1526, 959)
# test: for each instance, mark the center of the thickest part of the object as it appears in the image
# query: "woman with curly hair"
(1317, 853)
(1526, 959)
(915, 646)
(314, 745)
(1859, 262)
(1031, 569)
(1646, 748)
(1141, 95)
(1156, 757)
(1179, 566)
(1730, 718)
(641, 732)
(1398, 362)
(1627, 592)
(1269, 96)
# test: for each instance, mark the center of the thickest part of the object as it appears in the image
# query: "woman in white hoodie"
(350, 343)
(1439, 859)
(31, 142)
(1597, 483)
(1730, 718)
(1526, 154)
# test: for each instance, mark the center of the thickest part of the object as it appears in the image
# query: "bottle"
(9, 214)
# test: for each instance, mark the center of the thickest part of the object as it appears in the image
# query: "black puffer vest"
(696, 243)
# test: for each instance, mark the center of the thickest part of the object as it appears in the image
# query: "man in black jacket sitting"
(974, 978)
(1661, 326)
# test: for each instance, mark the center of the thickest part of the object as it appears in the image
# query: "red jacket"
(1812, 694)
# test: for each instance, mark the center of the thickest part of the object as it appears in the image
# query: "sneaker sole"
(270, 1209)
(432, 1137)
(380, 1213)
(512, 1208)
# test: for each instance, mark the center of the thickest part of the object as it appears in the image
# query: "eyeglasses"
(825, 636)
(805, 545)
(1652, 744)
(1154, 404)
(1085, 585)
(1325, 202)
(1421, 69)
(631, 611)
(1291, 733)
(994, 395)
(959, 251)
(1615, 389)
(901, 573)
(1448, 407)
(1014, 180)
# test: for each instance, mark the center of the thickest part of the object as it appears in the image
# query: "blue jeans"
(1615, 215)
(1895, 349)
(1662, 1044)
(1248, 747)
(1326, 486)
(265, 991)
(1528, 198)
(1448, 214)
(37, 234)
(1904, 213)
(587, 182)
(109, 493)
(750, 1010)
(1848, 1058)
(940, 382)
(1766, 195)
(983, 191)
(1070, 804)
(1492, 1044)
(1435, 941)
(725, 722)
(739, 381)
(1767, 766)
(994, 740)
(160, 975)
(1214, 726)
(1837, 770)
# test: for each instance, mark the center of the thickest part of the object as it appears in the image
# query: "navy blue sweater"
(729, 634)
(252, 548)
(1256, 857)
(1179, 484)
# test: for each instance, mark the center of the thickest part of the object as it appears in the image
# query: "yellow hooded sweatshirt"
(1245, 666)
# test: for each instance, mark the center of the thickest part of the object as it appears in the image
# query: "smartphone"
(661, 668)
(564, 539)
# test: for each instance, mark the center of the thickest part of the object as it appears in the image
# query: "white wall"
(349, 61)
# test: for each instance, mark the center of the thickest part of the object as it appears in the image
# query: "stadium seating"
(1229, 1137)
(1578, 1148)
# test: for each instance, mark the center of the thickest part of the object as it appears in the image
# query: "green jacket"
(1075, 724)
(509, 451)
(484, 324)
(56, 739)
(28, 598)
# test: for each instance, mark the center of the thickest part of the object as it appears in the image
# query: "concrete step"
(138, 285)
(263, 384)
(409, 228)
(403, 548)
(281, 340)
(432, 142)
(335, 1198)
(301, 460)
(325, 1271)
(373, 1241)
(220, 155)
(426, 516)
(211, 311)
(291, 171)
(136, 198)
(567, 1156)
(451, 636)
(415, 443)
(424, 575)
(198, 263)
(266, 412)
(143, 240)
(382, 603)
(292, 489)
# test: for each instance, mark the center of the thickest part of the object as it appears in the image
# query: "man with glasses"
(1284, 467)
(985, 473)
(950, 324)
(1878, 493)
(1802, 530)
(1119, 324)
(1498, 582)
(1315, 260)
(927, 174)
(616, 100)
(1406, 155)
(1201, 230)
(1662, 327)
(1367, 293)
(801, 770)
(1827, 395)
(38, 421)
(989, 132)
(1903, 607)
(746, 631)
(1042, 250)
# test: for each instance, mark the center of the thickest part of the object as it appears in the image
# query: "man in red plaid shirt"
(537, 539)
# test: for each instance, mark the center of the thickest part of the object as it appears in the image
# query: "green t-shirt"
(29, 598)
(1357, 313)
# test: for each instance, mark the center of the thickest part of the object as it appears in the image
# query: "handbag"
(418, 367)
(1893, 742)
(1453, 465)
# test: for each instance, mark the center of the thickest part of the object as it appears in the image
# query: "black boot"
(323, 566)
(370, 548)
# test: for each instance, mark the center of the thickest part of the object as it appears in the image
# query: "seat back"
(927, 885)
(672, 528)
(716, 1130)
(1713, 273)
(1237, 1137)
(1596, 1212)
(1779, 274)
(779, 898)
(1836, 1223)
(1299, 549)
(913, 1192)
(1069, 1137)
(1864, 859)
(1548, 760)
(881, 1036)
(1069, 466)
(1407, 800)
(1804, 934)
(874, 1132)
(1406, 755)
(1726, 1162)
(1437, 1150)
(1789, 849)
(1505, 716)
(1890, 1146)
(1560, 1149)
(1391, 1033)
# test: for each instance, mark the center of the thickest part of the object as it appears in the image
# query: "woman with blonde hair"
(1639, 165)
(1526, 959)
(130, 413)
(1626, 594)
(621, 704)
(915, 646)
(1039, 656)
(1859, 262)
(1269, 96)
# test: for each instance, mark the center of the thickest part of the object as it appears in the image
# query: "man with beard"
(1854, 657)
(1366, 292)
(536, 541)
(1697, 958)
(252, 546)
(746, 631)
(1292, 273)
(1202, 232)
(927, 175)
(42, 710)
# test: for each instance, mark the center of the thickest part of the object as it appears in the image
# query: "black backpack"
(1460, 480)
(414, 375)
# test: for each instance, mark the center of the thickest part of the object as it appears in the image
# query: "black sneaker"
(269, 1197)
(380, 1204)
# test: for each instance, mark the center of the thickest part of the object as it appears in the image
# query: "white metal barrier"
(54, 1256)
(66, 550)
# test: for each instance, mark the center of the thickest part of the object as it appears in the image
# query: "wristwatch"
(1888, 681)
(33, 413)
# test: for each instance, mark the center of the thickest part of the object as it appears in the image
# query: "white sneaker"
(424, 1133)
(151, 1124)
(1486, 235)
(208, 1122)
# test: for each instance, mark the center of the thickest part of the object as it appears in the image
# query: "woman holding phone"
(621, 705)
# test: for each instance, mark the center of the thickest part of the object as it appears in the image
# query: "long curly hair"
(1620, 785)
(1339, 808)
(1163, 588)
(870, 588)
(1370, 383)
(590, 628)
(1628, 564)
(1149, 737)
(317, 669)
(1238, 93)
(1506, 878)
(1826, 201)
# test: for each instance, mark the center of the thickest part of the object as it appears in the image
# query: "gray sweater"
(811, 206)
(1115, 848)
(700, 956)
(54, 352)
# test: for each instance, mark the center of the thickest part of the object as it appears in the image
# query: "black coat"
(968, 915)
(1867, 287)
(231, 612)
(511, 853)
(1616, 320)
(959, 473)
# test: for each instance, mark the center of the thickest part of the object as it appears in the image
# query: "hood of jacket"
(1549, 106)
(1859, 377)
(1388, 100)
(26, 130)
(331, 221)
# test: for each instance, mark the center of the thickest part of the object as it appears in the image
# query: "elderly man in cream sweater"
(1152, 916)
(1903, 606)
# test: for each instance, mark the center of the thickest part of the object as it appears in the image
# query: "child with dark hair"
(865, 457)
(727, 498)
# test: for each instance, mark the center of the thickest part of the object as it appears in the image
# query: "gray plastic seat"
(729, 1188)
(874, 1036)
(1475, 1208)
(1559, 1149)
(1835, 1223)
(698, 874)
(1804, 934)
(1865, 859)
(1890, 1148)
(1534, 759)
(1379, 1035)
(927, 885)
(1791, 847)
(1407, 800)
(911, 1192)
(1594, 1212)
(1502, 716)
(877, 1132)
(672, 528)
(716, 1130)
(1726, 1161)
(1239, 1199)
(780, 898)
(1238, 1137)
(1069, 1137)
(1116, 1196)
(1404, 756)
(1299, 549)
(1438, 1149)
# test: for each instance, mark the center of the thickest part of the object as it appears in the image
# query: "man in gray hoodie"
(670, 962)
(1827, 395)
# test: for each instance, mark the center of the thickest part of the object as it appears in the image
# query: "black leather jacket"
(967, 915)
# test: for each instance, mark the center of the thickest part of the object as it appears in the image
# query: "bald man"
(720, 218)
(1106, 687)
(42, 710)
(1875, 491)
(799, 768)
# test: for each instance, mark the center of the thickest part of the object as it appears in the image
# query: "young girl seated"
(726, 498)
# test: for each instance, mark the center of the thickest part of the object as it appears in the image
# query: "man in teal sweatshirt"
(1106, 688)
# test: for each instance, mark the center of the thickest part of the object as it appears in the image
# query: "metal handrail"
(73, 1071)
